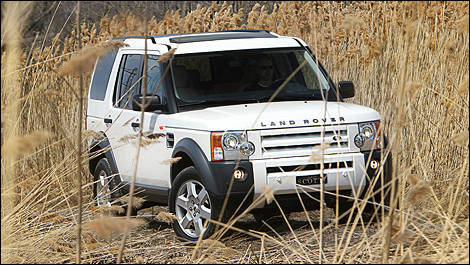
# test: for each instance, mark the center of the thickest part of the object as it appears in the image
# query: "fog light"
(239, 174)
(374, 164)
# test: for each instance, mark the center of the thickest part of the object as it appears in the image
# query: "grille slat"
(302, 139)
(308, 167)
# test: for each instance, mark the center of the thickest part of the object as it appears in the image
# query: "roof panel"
(234, 44)
(213, 41)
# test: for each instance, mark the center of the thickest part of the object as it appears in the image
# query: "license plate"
(310, 180)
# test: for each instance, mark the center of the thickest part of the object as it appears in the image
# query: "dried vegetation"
(408, 60)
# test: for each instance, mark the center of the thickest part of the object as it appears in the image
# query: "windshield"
(247, 76)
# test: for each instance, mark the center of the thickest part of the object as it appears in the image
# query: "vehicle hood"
(269, 116)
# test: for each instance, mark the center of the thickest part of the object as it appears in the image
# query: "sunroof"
(222, 36)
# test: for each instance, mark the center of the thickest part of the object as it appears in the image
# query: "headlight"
(230, 146)
(368, 136)
(247, 148)
(368, 130)
(231, 141)
(359, 140)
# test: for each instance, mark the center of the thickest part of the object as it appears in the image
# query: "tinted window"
(128, 80)
(101, 75)
(247, 76)
(154, 75)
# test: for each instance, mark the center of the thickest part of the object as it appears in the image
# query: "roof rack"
(152, 38)
(245, 30)
(224, 35)
(128, 37)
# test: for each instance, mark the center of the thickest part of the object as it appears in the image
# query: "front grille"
(303, 141)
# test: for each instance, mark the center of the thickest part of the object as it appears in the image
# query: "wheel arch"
(101, 148)
(181, 164)
(192, 155)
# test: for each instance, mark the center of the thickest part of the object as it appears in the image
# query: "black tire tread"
(183, 176)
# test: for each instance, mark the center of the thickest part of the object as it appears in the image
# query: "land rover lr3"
(219, 131)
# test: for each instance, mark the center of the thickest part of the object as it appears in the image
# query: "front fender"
(216, 175)
(199, 159)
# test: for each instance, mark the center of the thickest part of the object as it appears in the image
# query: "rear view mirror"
(346, 89)
(152, 102)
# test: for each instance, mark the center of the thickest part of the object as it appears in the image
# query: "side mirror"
(152, 102)
(346, 89)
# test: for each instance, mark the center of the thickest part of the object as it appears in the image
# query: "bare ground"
(156, 242)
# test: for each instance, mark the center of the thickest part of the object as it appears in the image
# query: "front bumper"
(353, 172)
(379, 176)
(227, 188)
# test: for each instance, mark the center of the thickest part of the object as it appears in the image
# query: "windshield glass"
(247, 76)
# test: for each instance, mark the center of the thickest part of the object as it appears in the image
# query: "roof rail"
(228, 34)
(127, 37)
(245, 30)
(135, 37)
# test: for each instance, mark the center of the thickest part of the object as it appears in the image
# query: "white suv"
(211, 113)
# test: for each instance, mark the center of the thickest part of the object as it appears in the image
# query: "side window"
(101, 76)
(154, 75)
(128, 80)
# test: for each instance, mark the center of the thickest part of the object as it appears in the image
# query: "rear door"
(97, 107)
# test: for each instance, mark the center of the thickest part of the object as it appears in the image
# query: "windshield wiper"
(221, 101)
(234, 101)
(306, 96)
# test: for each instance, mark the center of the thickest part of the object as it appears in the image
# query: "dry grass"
(110, 226)
(84, 61)
(409, 61)
(19, 145)
(166, 217)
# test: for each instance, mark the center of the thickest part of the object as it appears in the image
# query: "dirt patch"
(272, 241)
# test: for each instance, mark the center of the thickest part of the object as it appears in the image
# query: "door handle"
(108, 120)
(135, 124)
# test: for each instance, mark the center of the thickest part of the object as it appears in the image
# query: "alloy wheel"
(103, 194)
(193, 208)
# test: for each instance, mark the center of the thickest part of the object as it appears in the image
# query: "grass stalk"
(79, 144)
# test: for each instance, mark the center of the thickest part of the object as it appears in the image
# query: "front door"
(124, 122)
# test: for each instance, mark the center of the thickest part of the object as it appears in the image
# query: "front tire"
(192, 205)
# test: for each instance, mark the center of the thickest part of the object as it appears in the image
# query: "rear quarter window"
(103, 68)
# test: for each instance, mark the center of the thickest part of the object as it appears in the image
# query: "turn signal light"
(217, 153)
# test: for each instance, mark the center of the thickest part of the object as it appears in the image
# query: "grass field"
(408, 60)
